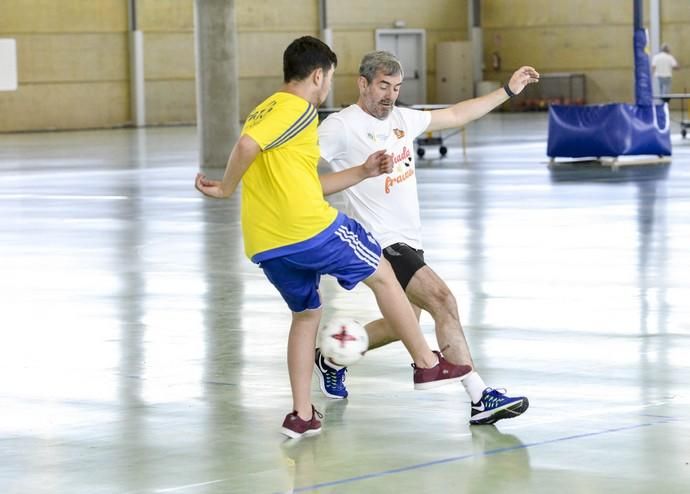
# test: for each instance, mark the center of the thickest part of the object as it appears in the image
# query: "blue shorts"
(348, 252)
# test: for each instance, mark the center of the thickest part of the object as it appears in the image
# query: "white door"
(409, 45)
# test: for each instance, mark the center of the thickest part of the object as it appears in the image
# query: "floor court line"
(663, 419)
(524, 422)
(454, 459)
(188, 486)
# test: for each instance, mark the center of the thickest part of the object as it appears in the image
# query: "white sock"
(474, 385)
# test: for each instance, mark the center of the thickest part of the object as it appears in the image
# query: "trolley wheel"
(420, 152)
(684, 133)
(443, 150)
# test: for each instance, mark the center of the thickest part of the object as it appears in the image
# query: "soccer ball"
(344, 341)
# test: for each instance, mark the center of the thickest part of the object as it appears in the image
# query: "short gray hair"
(382, 61)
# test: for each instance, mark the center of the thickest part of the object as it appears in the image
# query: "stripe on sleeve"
(300, 124)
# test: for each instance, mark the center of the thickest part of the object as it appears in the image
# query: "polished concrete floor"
(141, 353)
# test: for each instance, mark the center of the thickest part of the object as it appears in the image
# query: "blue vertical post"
(643, 75)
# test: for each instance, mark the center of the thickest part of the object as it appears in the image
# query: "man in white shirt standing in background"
(664, 64)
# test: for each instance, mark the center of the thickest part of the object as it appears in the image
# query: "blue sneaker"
(495, 405)
(331, 380)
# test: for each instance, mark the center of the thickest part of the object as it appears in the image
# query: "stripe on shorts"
(357, 247)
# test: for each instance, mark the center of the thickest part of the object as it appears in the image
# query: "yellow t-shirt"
(282, 198)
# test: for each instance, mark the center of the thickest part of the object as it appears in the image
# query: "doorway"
(409, 45)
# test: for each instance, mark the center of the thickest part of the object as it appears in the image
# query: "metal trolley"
(684, 110)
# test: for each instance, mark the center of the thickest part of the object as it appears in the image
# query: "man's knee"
(441, 300)
(309, 316)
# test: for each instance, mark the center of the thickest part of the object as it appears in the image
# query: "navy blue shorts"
(348, 253)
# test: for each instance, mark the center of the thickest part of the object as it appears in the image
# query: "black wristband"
(506, 88)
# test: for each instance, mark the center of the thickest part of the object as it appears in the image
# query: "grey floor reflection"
(142, 353)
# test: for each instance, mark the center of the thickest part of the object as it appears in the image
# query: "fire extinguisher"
(496, 61)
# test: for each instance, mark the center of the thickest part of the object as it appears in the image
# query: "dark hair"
(304, 55)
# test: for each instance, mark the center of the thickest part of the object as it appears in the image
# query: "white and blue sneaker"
(331, 378)
(495, 405)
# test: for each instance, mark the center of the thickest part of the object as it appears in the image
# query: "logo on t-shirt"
(258, 114)
(404, 157)
(399, 133)
(376, 137)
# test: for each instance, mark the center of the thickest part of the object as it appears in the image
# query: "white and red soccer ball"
(343, 341)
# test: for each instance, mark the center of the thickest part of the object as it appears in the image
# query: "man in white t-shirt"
(664, 64)
(388, 207)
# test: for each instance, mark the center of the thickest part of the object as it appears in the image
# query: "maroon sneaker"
(294, 426)
(441, 374)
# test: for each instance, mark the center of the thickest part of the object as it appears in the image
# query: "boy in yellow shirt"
(296, 236)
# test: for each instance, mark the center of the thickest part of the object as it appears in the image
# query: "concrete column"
(137, 84)
(326, 37)
(655, 25)
(217, 82)
(475, 31)
(655, 35)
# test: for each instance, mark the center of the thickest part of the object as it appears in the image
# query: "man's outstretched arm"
(464, 112)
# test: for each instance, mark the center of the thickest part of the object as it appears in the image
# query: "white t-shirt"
(663, 64)
(386, 205)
